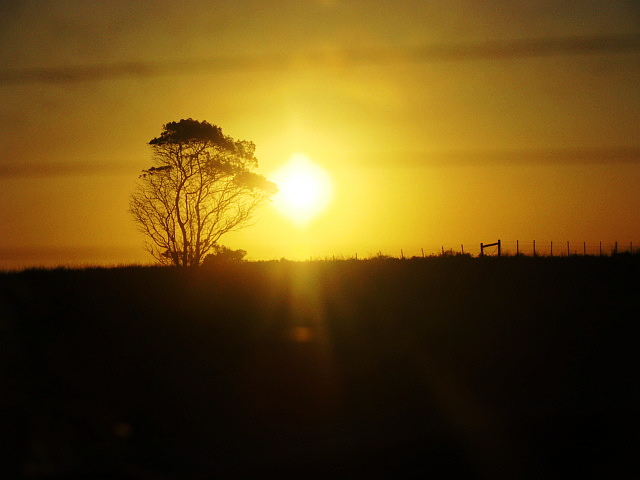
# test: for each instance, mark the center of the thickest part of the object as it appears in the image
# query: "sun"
(305, 189)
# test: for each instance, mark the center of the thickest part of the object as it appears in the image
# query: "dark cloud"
(489, 50)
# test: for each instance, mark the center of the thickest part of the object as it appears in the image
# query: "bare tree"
(200, 187)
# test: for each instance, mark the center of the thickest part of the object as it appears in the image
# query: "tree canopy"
(201, 185)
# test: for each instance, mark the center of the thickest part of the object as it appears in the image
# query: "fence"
(531, 248)
(567, 248)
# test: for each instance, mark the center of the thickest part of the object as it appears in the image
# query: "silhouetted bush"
(222, 254)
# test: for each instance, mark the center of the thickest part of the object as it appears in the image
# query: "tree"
(200, 187)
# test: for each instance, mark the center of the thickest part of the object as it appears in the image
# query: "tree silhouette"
(200, 187)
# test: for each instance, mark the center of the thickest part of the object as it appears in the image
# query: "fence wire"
(529, 248)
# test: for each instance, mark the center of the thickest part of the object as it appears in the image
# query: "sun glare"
(305, 189)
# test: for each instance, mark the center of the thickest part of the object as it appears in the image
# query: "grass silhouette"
(512, 367)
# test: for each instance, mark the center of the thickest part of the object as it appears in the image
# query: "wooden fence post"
(483, 246)
(584, 249)
(551, 249)
(517, 247)
(534, 248)
(568, 254)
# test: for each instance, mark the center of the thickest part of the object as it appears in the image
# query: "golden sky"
(425, 149)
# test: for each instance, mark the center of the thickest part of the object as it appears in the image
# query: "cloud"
(489, 50)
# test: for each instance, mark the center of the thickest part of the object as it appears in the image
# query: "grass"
(512, 367)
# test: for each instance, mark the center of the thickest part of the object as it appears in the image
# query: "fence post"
(422, 249)
(517, 247)
(551, 250)
(499, 243)
(568, 254)
(401, 254)
(584, 249)
(600, 247)
(481, 249)
(534, 248)
(462, 247)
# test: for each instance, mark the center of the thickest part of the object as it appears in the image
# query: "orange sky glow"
(436, 125)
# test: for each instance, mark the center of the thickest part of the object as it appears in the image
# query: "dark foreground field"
(445, 367)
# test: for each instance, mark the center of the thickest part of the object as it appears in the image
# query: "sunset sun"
(305, 189)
